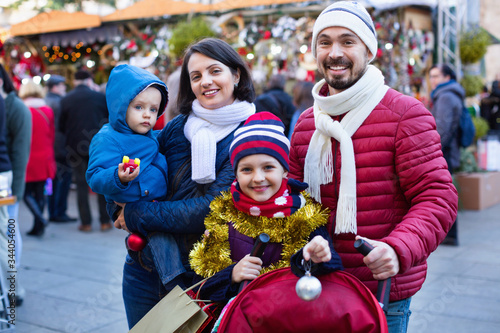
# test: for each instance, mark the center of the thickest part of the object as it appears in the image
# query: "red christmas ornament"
(267, 34)
(131, 44)
(410, 69)
(136, 242)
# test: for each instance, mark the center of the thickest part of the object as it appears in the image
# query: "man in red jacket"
(373, 156)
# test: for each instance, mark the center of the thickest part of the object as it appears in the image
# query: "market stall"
(277, 43)
(273, 36)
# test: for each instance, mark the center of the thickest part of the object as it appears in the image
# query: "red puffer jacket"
(405, 195)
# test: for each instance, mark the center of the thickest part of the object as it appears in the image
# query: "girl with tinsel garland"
(261, 199)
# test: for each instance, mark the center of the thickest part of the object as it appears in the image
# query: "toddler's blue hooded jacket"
(116, 140)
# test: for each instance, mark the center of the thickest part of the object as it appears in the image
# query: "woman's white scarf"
(204, 128)
(357, 102)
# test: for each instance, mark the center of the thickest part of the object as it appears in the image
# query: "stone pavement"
(73, 279)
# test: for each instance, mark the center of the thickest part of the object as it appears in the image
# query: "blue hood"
(124, 84)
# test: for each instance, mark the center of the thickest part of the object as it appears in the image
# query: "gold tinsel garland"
(212, 254)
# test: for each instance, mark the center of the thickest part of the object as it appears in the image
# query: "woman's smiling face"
(212, 82)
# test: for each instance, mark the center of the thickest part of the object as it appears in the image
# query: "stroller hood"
(270, 304)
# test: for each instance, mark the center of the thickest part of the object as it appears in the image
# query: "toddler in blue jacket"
(135, 99)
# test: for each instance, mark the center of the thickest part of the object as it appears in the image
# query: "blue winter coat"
(187, 202)
(116, 139)
(447, 103)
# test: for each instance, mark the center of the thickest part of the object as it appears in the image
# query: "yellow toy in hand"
(130, 164)
(129, 169)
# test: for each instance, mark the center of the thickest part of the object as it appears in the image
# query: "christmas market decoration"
(77, 54)
(22, 60)
(232, 28)
(109, 55)
(403, 51)
(308, 288)
(273, 38)
(250, 35)
(135, 242)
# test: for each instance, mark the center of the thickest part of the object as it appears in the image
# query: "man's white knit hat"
(351, 15)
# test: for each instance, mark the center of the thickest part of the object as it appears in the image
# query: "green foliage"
(468, 162)
(481, 125)
(473, 45)
(186, 33)
(473, 84)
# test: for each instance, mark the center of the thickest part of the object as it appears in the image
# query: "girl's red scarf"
(284, 203)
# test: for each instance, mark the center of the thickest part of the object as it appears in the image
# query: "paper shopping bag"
(176, 312)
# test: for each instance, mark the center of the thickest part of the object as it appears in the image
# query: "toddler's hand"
(317, 250)
(247, 268)
(125, 175)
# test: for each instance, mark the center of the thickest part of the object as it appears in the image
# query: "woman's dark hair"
(221, 51)
(8, 86)
(446, 71)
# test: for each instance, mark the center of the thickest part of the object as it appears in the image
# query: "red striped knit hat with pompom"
(262, 133)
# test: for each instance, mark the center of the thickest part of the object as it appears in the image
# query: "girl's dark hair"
(221, 51)
(446, 71)
(8, 86)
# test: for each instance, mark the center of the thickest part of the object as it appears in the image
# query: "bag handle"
(194, 286)
(202, 282)
(201, 286)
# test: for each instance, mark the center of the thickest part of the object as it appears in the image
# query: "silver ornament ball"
(308, 287)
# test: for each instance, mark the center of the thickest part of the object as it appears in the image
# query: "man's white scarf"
(357, 102)
(204, 128)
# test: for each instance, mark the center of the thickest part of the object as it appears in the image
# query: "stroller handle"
(260, 245)
(258, 249)
(384, 286)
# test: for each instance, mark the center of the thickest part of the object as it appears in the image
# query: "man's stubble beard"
(339, 82)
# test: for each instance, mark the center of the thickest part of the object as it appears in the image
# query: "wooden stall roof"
(236, 4)
(55, 21)
(153, 8)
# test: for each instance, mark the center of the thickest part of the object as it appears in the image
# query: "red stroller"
(270, 304)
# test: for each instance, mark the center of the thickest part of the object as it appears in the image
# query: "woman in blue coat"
(215, 97)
